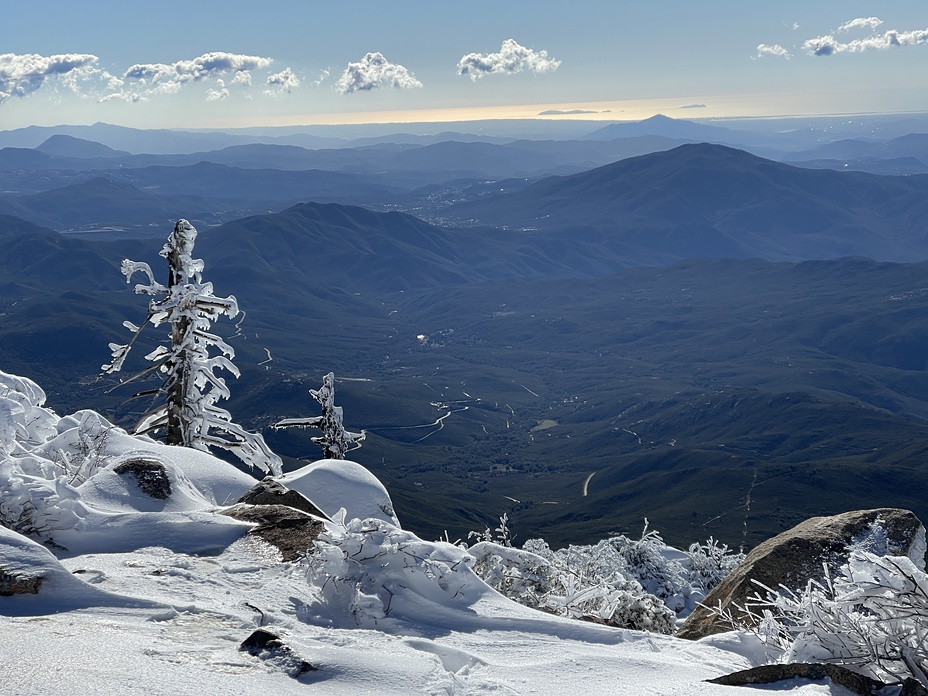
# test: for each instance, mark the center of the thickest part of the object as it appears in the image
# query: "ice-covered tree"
(335, 441)
(191, 388)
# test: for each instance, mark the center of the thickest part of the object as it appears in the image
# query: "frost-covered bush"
(60, 478)
(871, 617)
(35, 506)
(365, 568)
(518, 574)
(647, 560)
(709, 564)
(42, 459)
(641, 584)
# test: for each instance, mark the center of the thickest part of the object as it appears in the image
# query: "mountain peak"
(659, 124)
(707, 200)
(61, 145)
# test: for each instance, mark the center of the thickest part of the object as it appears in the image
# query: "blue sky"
(207, 63)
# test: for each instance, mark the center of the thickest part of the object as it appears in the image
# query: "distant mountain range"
(694, 200)
(156, 141)
(61, 145)
(101, 202)
(791, 134)
(451, 159)
(907, 154)
(666, 127)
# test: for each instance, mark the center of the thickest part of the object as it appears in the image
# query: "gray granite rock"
(797, 555)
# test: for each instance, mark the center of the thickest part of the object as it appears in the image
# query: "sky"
(210, 64)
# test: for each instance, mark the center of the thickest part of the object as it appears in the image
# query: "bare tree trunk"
(179, 426)
(178, 429)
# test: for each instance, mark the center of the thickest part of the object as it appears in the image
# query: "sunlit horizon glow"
(731, 107)
(725, 107)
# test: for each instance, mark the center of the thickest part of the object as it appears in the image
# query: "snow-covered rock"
(75, 481)
(332, 484)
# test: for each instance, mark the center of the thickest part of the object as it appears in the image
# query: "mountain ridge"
(743, 204)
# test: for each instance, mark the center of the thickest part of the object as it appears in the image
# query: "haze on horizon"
(290, 63)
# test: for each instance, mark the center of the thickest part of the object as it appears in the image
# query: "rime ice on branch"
(335, 441)
(191, 388)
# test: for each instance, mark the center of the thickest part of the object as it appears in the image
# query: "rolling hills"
(494, 375)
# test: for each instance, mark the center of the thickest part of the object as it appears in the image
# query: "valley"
(708, 348)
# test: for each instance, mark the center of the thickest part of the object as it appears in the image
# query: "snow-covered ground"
(182, 637)
(152, 595)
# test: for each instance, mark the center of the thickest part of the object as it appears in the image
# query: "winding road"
(586, 484)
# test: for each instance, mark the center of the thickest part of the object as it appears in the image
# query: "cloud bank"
(374, 71)
(572, 112)
(828, 45)
(21, 75)
(512, 58)
(169, 77)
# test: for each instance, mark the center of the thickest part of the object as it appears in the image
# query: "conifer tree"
(335, 441)
(189, 416)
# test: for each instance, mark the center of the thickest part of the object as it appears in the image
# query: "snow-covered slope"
(141, 586)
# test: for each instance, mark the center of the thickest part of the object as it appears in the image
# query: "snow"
(145, 595)
(338, 483)
(202, 609)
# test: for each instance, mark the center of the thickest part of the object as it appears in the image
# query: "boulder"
(270, 492)
(268, 647)
(13, 582)
(291, 531)
(338, 483)
(842, 676)
(150, 476)
(796, 556)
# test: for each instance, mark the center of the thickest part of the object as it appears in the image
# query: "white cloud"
(282, 82)
(231, 70)
(122, 96)
(374, 71)
(21, 75)
(829, 45)
(207, 65)
(775, 50)
(512, 58)
(218, 94)
(243, 77)
(822, 45)
(861, 23)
